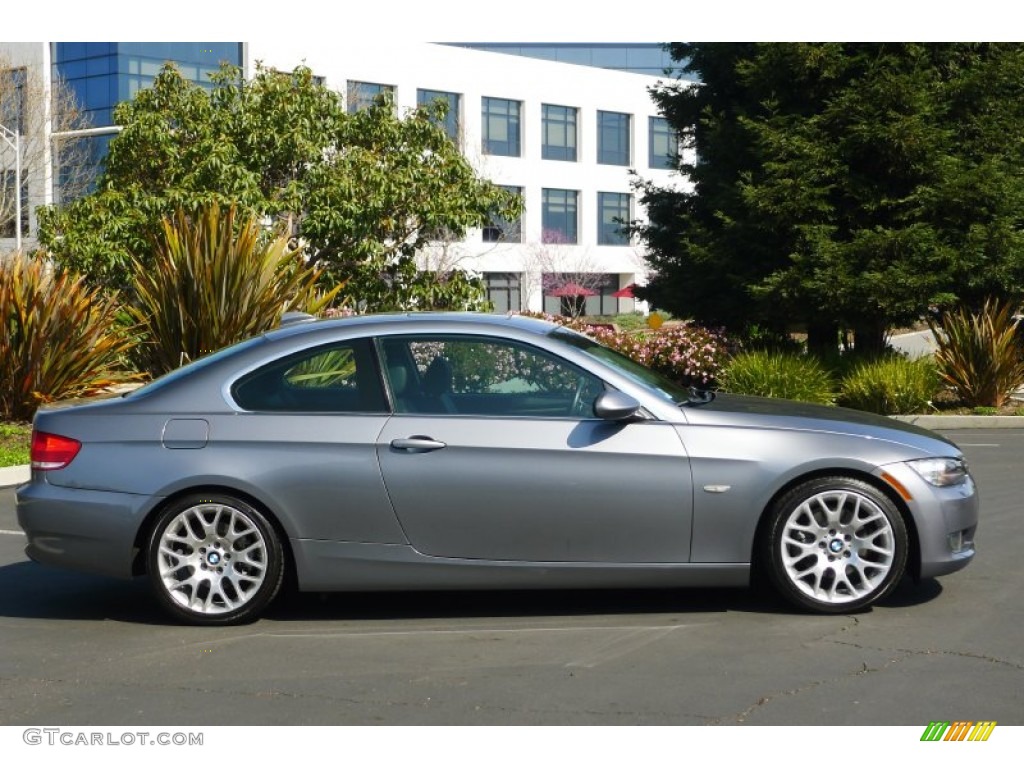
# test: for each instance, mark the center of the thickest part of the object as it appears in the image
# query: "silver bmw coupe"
(464, 451)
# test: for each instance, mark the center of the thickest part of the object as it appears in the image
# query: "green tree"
(363, 194)
(841, 186)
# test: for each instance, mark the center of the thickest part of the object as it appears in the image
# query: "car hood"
(775, 413)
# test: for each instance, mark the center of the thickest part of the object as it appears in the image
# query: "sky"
(523, 20)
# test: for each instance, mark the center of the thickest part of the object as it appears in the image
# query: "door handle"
(417, 444)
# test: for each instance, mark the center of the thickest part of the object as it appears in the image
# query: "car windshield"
(659, 384)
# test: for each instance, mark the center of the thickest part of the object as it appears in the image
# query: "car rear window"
(334, 378)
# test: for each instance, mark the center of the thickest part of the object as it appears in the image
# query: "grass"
(14, 443)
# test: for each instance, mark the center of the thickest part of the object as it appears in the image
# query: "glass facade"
(451, 120)
(559, 130)
(362, 95)
(101, 75)
(613, 215)
(612, 138)
(559, 216)
(501, 126)
(642, 58)
(662, 144)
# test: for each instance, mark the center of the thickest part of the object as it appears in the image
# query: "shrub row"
(889, 385)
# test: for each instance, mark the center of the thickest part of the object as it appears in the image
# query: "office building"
(564, 135)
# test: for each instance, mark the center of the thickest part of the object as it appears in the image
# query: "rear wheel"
(835, 545)
(214, 559)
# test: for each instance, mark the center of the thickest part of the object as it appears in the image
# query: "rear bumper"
(91, 531)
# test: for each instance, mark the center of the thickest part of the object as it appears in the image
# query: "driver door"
(494, 453)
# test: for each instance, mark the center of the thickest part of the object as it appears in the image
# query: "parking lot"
(83, 650)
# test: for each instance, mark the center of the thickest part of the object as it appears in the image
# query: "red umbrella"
(571, 289)
(625, 293)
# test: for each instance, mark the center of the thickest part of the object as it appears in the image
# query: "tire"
(835, 545)
(214, 559)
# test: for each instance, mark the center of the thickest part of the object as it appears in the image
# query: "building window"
(450, 101)
(500, 229)
(501, 119)
(12, 99)
(575, 294)
(559, 216)
(613, 217)
(612, 138)
(504, 291)
(559, 128)
(9, 201)
(662, 143)
(363, 95)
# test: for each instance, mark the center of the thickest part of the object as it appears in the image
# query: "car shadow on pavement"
(33, 591)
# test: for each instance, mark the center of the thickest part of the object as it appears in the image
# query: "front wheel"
(835, 545)
(214, 559)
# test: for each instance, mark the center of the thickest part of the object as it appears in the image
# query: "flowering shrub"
(687, 353)
(484, 366)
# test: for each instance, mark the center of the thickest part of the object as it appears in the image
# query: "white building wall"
(478, 74)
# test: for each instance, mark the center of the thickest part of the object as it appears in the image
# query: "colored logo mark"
(958, 730)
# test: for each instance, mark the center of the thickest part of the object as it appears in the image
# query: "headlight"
(941, 472)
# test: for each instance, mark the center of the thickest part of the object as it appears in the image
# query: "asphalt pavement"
(83, 650)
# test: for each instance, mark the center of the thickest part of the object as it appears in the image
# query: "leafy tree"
(363, 193)
(841, 186)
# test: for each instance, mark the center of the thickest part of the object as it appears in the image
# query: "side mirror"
(611, 405)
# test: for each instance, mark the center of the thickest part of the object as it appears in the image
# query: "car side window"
(337, 378)
(485, 377)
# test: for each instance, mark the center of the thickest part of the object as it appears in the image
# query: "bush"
(979, 355)
(686, 353)
(60, 339)
(214, 281)
(892, 384)
(14, 444)
(779, 374)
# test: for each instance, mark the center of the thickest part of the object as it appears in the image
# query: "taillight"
(52, 451)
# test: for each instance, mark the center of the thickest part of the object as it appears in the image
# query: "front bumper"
(944, 520)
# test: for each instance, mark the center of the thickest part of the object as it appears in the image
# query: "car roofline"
(393, 320)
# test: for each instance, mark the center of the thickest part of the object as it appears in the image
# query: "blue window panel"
(559, 132)
(501, 127)
(451, 120)
(613, 214)
(612, 138)
(559, 216)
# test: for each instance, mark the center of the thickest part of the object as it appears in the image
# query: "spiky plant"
(216, 278)
(979, 354)
(890, 385)
(779, 374)
(60, 339)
